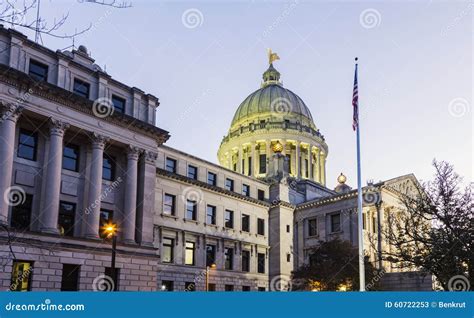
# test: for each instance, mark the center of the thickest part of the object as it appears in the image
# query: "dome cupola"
(274, 119)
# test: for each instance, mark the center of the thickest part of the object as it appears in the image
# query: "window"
(287, 229)
(211, 287)
(245, 223)
(38, 71)
(21, 276)
(211, 178)
(229, 287)
(245, 261)
(66, 215)
(288, 257)
(312, 227)
(262, 164)
(229, 219)
(27, 145)
(167, 255)
(211, 214)
(261, 289)
(167, 285)
(250, 167)
(261, 263)
(169, 204)
(115, 275)
(363, 221)
(335, 222)
(374, 224)
(245, 288)
(306, 164)
(170, 165)
(21, 214)
(229, 258)
(189, 257)
(106, 216)
(189, 286)
(71, 157)
(192, 172)
(229, 184)
(81, 88)
(246, 190)
(119, 104)
(288, 158)
(108, 168)
(261, 194)
(191, 208)
(261, 226)
(70, 277)
(210, 255)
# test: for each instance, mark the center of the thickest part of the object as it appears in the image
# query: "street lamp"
(208, 269)
(110, 230)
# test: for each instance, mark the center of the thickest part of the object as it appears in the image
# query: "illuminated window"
(190, 257)
(168, 250)
(21, 276)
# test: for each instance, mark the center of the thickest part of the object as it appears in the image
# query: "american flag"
(355, 102)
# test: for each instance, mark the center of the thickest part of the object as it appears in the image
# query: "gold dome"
(342, 178)
(277, 147)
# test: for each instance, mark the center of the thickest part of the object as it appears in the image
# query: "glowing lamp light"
(110, 229)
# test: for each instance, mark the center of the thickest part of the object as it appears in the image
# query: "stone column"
(146, 198)
(297, 162)
(283, 143)
(322, 158)
(92, 211)
(253, 168)
(317, 176)
(130, 200)
(310, 162)
(9, 115)
(240, 167)
(268, 152)
(49, 216)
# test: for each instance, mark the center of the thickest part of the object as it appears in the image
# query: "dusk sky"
(202, 58)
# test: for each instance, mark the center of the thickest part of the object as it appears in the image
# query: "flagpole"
(359, 208)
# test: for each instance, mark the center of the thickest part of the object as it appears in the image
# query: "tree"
(26, 14)
(334, 265)
(433, 230)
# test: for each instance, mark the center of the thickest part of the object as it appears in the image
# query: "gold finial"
(277, 147)
(272, 56)
(341, 179)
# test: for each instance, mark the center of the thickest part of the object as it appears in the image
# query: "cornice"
(66, 98)
(180, 178)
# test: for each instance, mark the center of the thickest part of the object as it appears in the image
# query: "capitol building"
(80, 150)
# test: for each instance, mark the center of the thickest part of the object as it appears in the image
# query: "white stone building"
(79, 149)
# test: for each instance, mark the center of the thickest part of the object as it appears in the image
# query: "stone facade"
(80, 150)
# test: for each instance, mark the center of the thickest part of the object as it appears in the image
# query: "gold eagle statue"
(272, 56)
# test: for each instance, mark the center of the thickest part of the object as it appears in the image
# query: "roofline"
(214, 164)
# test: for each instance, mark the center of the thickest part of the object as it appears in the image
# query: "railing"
(272, 125)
